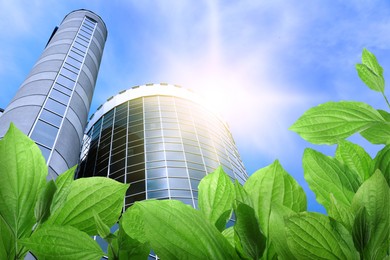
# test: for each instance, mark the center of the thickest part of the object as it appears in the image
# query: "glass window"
(156, 173)
(196, 174)
(157, 184)
(135, 167)
(71, 68)
(55, 106)
(177, 172)
(117, 165)
(155, 164)
(63, 89)
(174, 146)
(44, 133)
(176, 183)
(72, 61)
(137, 187)
(185, 201)
(79, 46)
(176, 164)
(181, 193)
(85, 33)
(155, 147)
(65, 81)
(51, 117)
(174, 155)
(135, 176)
(135, 159)
(194, 184)
(68, 73)
(157, 194)
(76, 54)
(155, 156)
(45, 151)
(82, 40)
(131, 199)
(59, 96)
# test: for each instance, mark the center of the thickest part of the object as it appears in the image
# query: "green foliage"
(55, 220)
(316, 236)
(216, 194)
(64, 242)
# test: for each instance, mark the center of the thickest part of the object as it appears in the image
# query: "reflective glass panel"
(44, 133)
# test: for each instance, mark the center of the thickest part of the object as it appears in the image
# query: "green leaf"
(23, 174)
(316, 236)
(178, 231)
(374, 196)
(62, 242)
(382, 162)
(379, 133)
(341, 213)
(229, 235)
(370, 72)
(215, 198)
(7, 241)
(277, 234)
(355, 158)
(327, 175)
(63, 183)
(361, 230)
(124, 247)
(273, 185)
(101, 227)
(88, 195)
(42, 208)
(241, 195)
(247, 232)
(332, 122)
(132, 223)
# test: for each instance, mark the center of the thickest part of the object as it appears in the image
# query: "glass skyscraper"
(52, 104)
(160, 138)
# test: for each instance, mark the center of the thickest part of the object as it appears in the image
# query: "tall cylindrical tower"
(52, 104)
(161, 139)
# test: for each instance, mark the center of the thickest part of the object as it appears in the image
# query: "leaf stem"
(387, 101)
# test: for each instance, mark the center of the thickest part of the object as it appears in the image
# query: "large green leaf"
(341, 213)
(215, 197)
(374, 196)
(370, 72)
(355, 158)
(277, 231)
(379, 133)
(42, 208)
(101, 195)
(361, 230)
(132, 222)
(7, 241)
(332, 122)
(62, 242)
(23, 174)
(382, 162)
(124, 247)
(273, 185)
(241, 195)
(326, 175)
(63, 183)
(247, 232)
(316, 236)
(178, 231)
(229, 235)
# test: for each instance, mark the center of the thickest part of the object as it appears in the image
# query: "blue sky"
(262, 63)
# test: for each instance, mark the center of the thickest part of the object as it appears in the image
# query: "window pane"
(156, 173)
(50, 117)
(54, 106)
(63, 89)
(44, 133)
(68, 73)
(176, 183)
(45, 151)
(65, 81)
(157, 194)
(158, 184)
(72, 61)
(58, 96)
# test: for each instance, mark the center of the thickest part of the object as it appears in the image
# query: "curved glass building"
(52, 104)
(161, 139)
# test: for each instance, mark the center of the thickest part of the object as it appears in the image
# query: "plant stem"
(387, 101)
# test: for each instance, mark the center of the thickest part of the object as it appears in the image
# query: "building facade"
(160, 138)
(52, 104)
